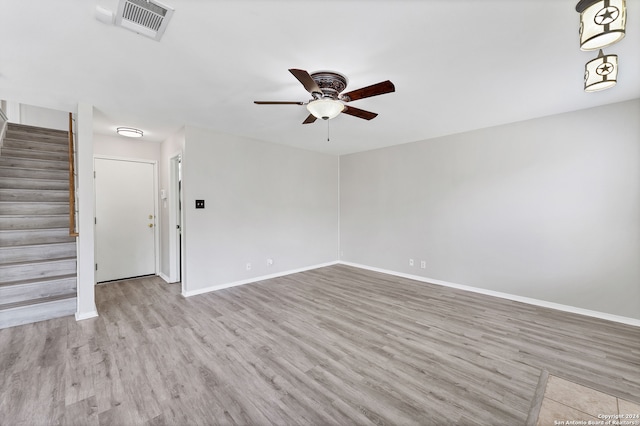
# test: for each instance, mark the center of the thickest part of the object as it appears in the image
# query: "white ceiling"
(457, 65)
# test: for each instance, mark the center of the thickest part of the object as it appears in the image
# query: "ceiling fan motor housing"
(330, 82)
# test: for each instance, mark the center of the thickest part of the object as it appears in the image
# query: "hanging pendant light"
(602, 22)
(601, 73)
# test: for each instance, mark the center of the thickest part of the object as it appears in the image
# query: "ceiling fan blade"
(366, 92)
(360, 113)
(310, 119)
(278, 103)
(306, 80)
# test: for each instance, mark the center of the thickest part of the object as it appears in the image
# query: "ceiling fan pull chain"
(328, 140)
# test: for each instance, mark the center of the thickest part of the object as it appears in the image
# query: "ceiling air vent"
(147, 17)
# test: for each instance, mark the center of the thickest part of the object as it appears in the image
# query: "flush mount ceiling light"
(325, 108)
(602, 22)
(601, 73)
(129, 132)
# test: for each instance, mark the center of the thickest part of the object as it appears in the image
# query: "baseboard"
(542, 303)
(164, 277)
(86, 315)
(255, 279)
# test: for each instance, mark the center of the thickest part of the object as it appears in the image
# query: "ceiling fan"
(328, 100)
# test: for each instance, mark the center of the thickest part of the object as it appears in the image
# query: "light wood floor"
(336, 345)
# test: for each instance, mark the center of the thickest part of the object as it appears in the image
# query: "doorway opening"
(175, 219)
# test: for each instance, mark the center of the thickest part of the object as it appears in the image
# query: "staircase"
(37, 255)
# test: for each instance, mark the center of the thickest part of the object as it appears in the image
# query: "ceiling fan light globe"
(325, 108)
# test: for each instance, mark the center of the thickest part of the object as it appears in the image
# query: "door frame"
(176, 217)
(156, 233)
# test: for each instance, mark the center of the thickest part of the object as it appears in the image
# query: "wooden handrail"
(72, 183)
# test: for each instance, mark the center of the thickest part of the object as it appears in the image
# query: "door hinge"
(96, 266)
(95, 221)
(94, 174)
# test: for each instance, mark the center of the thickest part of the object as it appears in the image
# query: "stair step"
(34, 222)
(38, 310)
(35, 270)
(33, 164)
(33, 208)
(26, 172)
(24, 131)
(33, 195)
(26, 183)
(32, 153)
(34, 145)
(25, 237)
(48, 139)
(26, 253)
(21, 291)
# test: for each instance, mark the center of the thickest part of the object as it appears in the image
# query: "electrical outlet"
(248, 266)
(269, 262)
(423, 264)
(410, 262)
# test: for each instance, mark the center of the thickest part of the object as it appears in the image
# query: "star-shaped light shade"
(602, 23)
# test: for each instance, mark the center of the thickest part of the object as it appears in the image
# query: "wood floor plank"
(331, 346)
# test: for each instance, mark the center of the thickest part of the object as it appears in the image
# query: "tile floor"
(568, 403)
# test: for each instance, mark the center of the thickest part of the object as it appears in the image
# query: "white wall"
(123, 147)
(262, 201)
(40, 117)
(547, 208)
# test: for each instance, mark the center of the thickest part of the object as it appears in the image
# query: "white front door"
(125, 219)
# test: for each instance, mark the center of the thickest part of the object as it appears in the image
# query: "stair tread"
(43, 300)
(59, 229)
(35, 202)
(35, 179)
(32, 190)
(30, 150)
(27, 169)
(21, 237)
(38, 245)
(15, 137)
(37, 280)
(35, 159)
(39, 262)
(11, 151)
(30, 229)
(29, 252)
(34, 208)
(29, 129)
(35, 217)
(22, 216)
